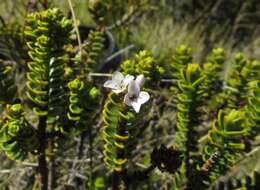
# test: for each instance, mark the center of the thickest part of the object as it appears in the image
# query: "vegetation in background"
(181, 110)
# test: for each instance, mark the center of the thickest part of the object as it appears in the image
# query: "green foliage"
(94, 47)
(188, 114)
(17, 136)
(106, 12)
(227, 128)
(253, 108)
(98, 9)
(119, 131)
(61, 90)
(249, 182)
(226, 138)
(47, 32)
(144, 63)
(224, 145)
(83, 103)
(181, 57)
(7, 83)
(212, 69)
(11, 39)
(241, 73)
(189, 99)
(100, 183)
(76, 87)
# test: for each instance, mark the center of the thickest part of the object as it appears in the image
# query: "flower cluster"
(134, 96)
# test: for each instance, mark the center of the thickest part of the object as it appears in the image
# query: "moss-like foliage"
(17, 136)
(242, 71)
(144, 63)
(119, 132)
(76, 87)
(189, 100)
(47, 32)
(94, 46)
(98, 8)
(253, 108)
(7, 83)
(83, 103)
(116, 12)
(224, 146)
(181, 57)
(249, 182)
(212, 69)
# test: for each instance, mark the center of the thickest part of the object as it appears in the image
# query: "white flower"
(134, 96)
(118, 83)
(140, 80)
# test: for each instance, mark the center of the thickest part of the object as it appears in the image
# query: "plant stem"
(115, 181)
(138, 176)
(91, 159)
(80, 146)
(51, 182)
(80, 153)
(42, 164)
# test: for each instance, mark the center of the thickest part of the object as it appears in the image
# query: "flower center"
(133, 98)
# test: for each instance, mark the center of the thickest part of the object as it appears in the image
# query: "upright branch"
(253, 108)
(17, 136)
(42, 163)
(213, 70)
(213, 84)
(46, 32)
(188, 114)
(180, 59)
(225, 144)
(120, 122)
(241, 73)
(8, 88)
(123, 113)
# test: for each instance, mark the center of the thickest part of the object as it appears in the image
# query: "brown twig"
(76, 28)
(42, 164)
(52, 165)
(115, 181)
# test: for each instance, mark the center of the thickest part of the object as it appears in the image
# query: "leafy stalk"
(47, 32)
(224, 146)
(8, 88)
(188, 115)
(17, 136)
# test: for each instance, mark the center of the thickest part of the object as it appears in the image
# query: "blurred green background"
(161, 25)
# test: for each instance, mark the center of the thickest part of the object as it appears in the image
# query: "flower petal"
(110, 84)
(133, 89)
(128, 79)
(127, 100)
(117, 77)
(136, 106)
(143, 97)
(140, 80)
(116, 84)
(118, 90)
